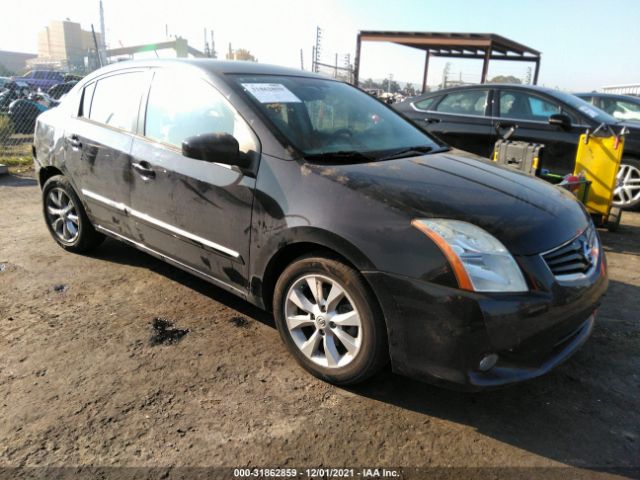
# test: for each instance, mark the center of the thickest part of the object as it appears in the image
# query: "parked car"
(3, 82)
(12, 91)
(43, 79)
(57, 91)
(23, 112)
(622, 107)
(473, 118)
(368, 239)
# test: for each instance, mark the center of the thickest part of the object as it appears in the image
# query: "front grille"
(576, 257)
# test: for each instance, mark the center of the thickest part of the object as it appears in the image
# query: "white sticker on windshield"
(271, 93)
(589, 111)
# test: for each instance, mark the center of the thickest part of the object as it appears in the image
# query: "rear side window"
(116, 100)
(180, 106)
(471, 102)
(426, 104)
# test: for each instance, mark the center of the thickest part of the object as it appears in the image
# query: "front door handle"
(74, 141)
(432, 120)
(144, 169)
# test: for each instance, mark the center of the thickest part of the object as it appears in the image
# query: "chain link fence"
(20, 104)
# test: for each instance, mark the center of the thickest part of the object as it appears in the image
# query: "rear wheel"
(330, 321)
(627, 191)
(65, 217)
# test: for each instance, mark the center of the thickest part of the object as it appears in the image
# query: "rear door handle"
(432, 120)
(144, 169)
(74, 141)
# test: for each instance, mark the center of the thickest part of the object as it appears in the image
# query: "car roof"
(491, 85)
(605, 95)
(216, 67)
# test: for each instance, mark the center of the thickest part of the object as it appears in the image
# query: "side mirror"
(215, 147)
(560, 120)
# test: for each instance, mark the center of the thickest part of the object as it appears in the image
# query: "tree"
(409, 91)
(368, 83)
(505, 79)
(394, 87)
(5, 72)
(241, 54)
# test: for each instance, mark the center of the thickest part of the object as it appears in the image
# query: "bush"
(6, 129)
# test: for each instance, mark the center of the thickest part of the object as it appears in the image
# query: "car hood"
(526, 214)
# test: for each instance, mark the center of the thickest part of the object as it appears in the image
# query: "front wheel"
(627, 191)
(65, 217)
(330, 321)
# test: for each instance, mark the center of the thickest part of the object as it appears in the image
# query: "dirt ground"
(86, 379)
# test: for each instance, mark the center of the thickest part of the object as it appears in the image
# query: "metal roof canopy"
(485, 46)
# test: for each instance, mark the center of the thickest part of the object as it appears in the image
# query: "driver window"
(180, 107)
(521, 105)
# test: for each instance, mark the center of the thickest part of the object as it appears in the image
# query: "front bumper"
(439, 334)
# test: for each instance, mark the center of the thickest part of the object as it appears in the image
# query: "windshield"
(594, 113)
(328, 118)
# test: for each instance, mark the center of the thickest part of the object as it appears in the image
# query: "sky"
(585, 44)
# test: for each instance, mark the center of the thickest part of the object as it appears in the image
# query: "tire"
(342, 347)
(627, 191)
(66, 218)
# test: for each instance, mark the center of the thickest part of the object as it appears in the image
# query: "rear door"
(197, 213)
(530, 112)
(98, 146)
(460, 119)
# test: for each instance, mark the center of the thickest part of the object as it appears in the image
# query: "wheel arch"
(46, 173)
(297, 243)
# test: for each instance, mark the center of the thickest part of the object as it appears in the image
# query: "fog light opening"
(488, 362)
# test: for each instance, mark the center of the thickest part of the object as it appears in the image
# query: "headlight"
(479, 261)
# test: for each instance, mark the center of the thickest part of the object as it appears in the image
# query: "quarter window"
(116, 100)
(180, 107)
(426, 104)
(522, 105)
(472, 102)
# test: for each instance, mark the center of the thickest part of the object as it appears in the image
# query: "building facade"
(63, 44)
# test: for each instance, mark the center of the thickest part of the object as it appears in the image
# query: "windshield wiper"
(409, 152)
(351, 155)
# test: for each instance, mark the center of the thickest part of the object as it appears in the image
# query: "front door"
(460, 120)
(197, 213)
(530, 113)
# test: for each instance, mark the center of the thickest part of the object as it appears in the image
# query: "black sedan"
(369, 240)
(472, 118)
(622, 107)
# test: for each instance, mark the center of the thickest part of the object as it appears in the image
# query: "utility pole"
(389, 84)
(318, 48)
(230, 56)
(95, 43)
(301, 60)
(213, 47)
(103, 43)
(445, 74)
(335, 75)
(207, 52)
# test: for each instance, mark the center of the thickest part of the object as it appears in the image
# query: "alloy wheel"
(62, 215)
(323, 321)
(627, 191)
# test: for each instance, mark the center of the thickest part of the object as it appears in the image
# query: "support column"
(426, 71)
(485, 64)
(537, 70)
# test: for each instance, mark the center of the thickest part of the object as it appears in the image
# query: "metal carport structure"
(484, 46)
